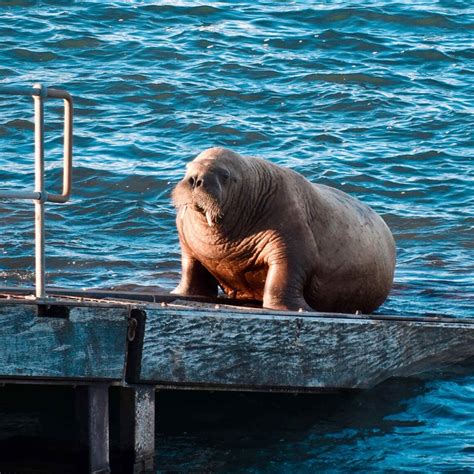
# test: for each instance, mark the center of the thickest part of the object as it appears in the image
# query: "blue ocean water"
(375, 98)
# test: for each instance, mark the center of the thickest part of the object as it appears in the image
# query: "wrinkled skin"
(264, 232)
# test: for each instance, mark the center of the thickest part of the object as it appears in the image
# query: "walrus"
(264, 232)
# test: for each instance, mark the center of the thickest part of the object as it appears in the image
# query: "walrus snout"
(201, 189)
(201, 180)
(204, 178)
(204, 183)
(195, 181)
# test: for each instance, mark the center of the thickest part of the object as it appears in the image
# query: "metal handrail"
(39, 195)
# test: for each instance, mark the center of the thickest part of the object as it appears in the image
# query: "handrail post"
(39, 195)
(39, 188)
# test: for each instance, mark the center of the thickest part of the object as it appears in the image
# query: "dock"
(136, 344)
(113, 350)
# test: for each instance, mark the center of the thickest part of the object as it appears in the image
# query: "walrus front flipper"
(195, 279)
(283, 289)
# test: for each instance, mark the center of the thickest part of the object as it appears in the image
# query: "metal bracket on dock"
(136, 328)
(39, 195)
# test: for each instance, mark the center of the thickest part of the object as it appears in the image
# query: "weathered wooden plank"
(88, 344)
(267, 350)
(140, 294)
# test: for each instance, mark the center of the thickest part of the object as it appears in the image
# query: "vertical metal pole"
(39, 187)
(67, 179)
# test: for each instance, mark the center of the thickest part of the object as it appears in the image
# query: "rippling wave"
(374, 99)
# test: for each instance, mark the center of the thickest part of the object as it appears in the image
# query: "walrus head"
(208, 185)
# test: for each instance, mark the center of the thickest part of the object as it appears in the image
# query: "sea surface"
(375, 98)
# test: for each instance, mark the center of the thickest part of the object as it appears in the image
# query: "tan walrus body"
(264, 232)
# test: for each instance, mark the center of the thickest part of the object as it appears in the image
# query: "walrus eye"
(224, 175)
